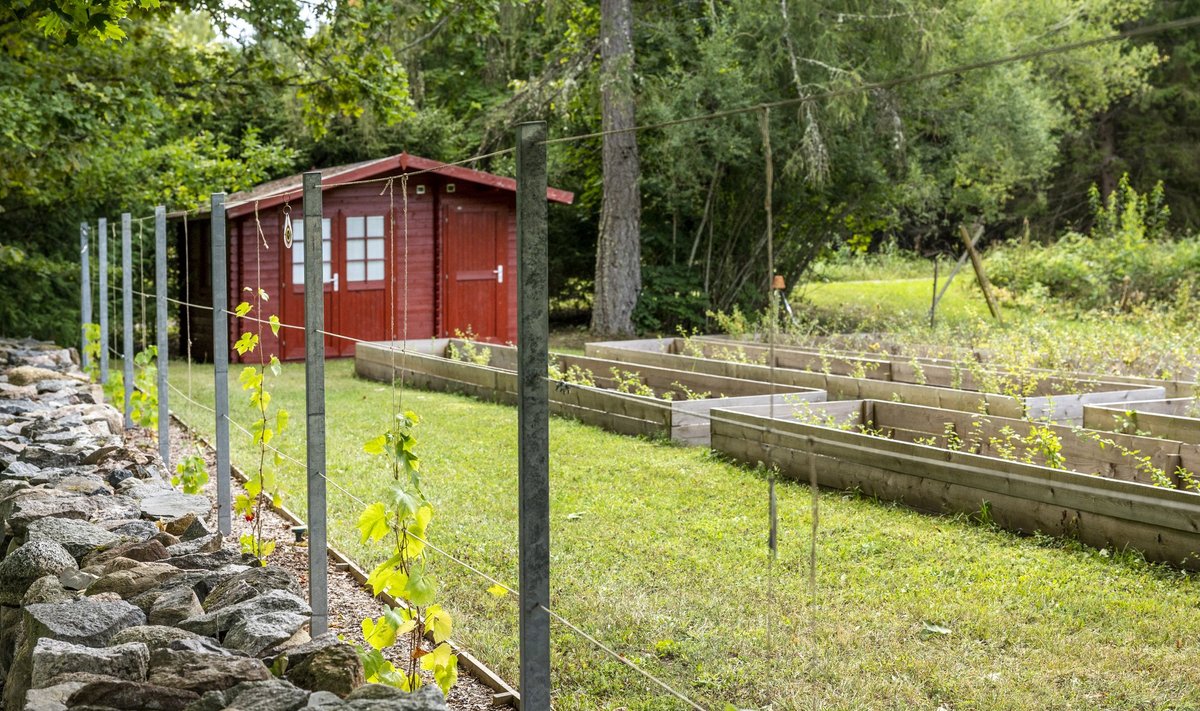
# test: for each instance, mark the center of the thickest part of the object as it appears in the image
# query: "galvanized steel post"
(85, 287)
(220, 305)
(314, 401)
(160, 329)
(127, 313)
(533, 416)
(102, 292)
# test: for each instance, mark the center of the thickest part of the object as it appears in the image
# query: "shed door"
(475, 255)
(362, 271)
(293, 290)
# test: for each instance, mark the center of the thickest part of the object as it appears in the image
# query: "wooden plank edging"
(1128, 511)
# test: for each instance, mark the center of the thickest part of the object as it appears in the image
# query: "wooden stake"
(984, 284)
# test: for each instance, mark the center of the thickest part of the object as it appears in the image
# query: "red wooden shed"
(447, 254)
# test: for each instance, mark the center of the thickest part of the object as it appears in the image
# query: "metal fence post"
(314, 401)
(160, 329)
(220, 305)
(127, 312)
(102, 292)
(533, 416)
(85, 287)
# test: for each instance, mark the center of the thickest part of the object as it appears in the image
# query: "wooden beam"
(984, 284)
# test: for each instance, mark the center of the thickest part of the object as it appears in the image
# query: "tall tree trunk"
(1107, 138)
(619, 248)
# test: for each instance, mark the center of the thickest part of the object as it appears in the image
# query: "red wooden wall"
(354, 310)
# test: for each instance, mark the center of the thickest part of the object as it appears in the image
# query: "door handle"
(499, 272)
(333, 281)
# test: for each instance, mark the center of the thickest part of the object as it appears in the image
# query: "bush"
(1125, 259)
(672, 297)
(42, 297)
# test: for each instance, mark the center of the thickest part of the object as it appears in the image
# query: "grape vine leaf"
(421, 587)
(438, 623)
(376, 445)
(373, 523)
(415, 542)
(444, 665)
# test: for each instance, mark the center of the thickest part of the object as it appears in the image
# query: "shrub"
(48, 307)
(1124, 260)
(672, 297)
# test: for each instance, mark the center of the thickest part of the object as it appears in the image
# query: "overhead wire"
(764, 107)
(295, 191)
(897, 81)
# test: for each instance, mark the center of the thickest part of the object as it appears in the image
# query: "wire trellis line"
(620, 657)
(898, 81)
(185, 396)
(470, 568)
(178, 302)
(256, 319)
(291, 192)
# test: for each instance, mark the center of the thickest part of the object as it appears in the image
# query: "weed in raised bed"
(690, 394)
(1143, 463)
(802, 411)
(627, 381)
(1127, 423)
(574, 374)
(470, 352)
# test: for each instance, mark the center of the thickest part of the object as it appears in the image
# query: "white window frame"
(298, 251)
(366, 247)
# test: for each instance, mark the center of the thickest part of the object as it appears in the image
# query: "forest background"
(118, 105)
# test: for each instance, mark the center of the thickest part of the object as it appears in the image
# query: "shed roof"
(281, 190)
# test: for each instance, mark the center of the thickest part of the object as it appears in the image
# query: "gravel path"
(349, 603)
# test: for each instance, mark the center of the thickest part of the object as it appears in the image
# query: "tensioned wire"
(465, 565)
(898, 81)
(764, 107)
(830, 94)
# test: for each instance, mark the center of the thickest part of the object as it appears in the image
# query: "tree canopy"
(111, 105)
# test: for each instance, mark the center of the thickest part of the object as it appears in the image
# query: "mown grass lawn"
(660, 551)
(904, 301)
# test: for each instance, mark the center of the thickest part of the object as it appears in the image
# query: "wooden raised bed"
(1098, 453)
(1173, 419)
(1055, 399)
(1163, 524)
(423, 364)
(911, 363)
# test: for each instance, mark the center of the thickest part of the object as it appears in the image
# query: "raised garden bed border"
(685, 421)
(1160, 418)
(1163, 524)
(1067, 408)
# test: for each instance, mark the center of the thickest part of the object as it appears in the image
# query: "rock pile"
(114, 594)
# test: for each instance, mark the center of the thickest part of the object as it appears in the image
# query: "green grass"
(1043, 333)
(659, 551)
(873, 303)
(887, 264)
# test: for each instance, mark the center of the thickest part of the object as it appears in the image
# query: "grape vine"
(402, 520)
(263, 487)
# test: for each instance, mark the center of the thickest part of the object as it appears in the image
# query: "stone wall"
(113, 592)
